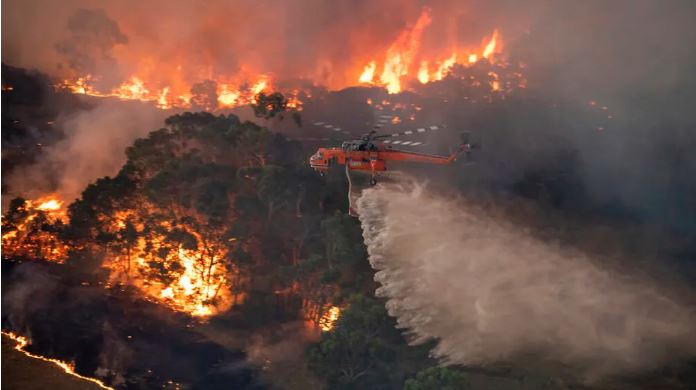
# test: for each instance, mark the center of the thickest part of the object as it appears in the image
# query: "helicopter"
(371, 152)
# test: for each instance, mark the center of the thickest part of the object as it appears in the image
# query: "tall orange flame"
(402, 52)
(491, 46)
(369, 73)
(423, 75)
(400, 56)
(402, 63)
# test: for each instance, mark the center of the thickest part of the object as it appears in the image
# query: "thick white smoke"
(492, 293)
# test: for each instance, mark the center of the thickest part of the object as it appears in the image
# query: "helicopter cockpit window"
(350, 146)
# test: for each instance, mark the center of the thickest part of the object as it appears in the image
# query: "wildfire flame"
(394, 69)
(329, 318)
(24, 232)
(191, 292)
(69, 368)
(369, 73)
(490, 47)
(401, 53)
(445, 65)
(196, 280)
(400, 56)
(423, 75)
(50, 205)
(228, 94)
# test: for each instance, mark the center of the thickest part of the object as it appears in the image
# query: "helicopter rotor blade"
(382, 121)
(330, 127)
(410, 132)
(404, 143)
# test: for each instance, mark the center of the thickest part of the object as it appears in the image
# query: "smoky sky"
(290, 39)
(634, 57)
(92, 37)
(590, 46)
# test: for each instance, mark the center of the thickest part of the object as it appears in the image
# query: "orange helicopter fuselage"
(374, 160)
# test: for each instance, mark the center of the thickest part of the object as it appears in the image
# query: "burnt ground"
(20, 371)
(132, 343)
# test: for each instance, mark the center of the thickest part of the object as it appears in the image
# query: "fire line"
(69, 368)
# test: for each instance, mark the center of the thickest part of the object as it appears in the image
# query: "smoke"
(597, 44)
(279, 348)
(175, 41)
(492, 293)
(36, 287)
(93, 146)
(93, 35)
(631, 56)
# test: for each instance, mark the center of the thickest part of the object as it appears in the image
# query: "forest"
(214, 216)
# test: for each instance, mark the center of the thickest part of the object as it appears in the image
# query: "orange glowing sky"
(158, 50)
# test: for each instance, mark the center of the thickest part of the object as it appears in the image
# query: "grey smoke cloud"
(94, 146)
(492, 293)
(92, 37)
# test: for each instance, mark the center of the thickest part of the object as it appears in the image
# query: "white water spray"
(491, 293)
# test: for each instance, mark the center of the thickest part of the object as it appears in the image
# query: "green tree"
(343, 237)
(364, 350)
(276, 188)
(438, 378)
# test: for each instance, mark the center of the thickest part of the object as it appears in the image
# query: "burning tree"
(163, 224)
(365, 350)
(174, 256)
(206, 213)
(31, 229)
